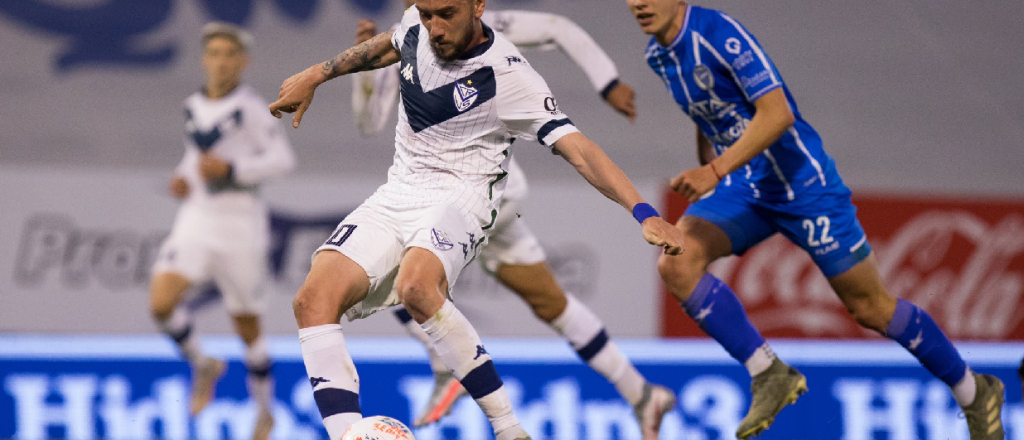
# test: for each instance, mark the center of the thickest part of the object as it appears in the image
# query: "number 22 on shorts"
(822, 222)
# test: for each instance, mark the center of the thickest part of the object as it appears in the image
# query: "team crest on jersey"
(465, 95)
(440, 240)
(703, 77)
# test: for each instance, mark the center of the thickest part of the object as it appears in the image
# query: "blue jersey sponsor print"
(716, 70)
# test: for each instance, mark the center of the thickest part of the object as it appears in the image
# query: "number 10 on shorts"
(340, 235)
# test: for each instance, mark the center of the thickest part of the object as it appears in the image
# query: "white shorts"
(376, 237)
(511, 241)
(228, 249)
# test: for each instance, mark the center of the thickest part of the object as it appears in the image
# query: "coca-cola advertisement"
(959, 258)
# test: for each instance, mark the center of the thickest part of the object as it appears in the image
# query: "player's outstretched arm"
(772, 118)
(297, 91)
(595, 166)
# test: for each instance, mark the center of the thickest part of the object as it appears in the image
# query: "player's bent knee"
(160, 311)
(318, 305)
(160, 307)
(680, 273)
(418, 297)
(164, 295)
(547, 308)
(869, 313)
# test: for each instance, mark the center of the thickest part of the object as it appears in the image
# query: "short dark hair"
(234, 33)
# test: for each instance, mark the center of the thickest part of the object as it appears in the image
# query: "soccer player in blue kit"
(764, 171)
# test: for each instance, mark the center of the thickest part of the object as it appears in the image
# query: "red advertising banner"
(962, 260)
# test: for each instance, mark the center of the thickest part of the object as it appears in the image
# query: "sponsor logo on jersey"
(512, 59)
(440, 240)
(732, 45)
(743, 60)
(550, 104)
(751, 81)
(465, 95)
(713, 108)
(703, 77)
(407, 73)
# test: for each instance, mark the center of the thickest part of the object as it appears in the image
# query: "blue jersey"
(715, 70)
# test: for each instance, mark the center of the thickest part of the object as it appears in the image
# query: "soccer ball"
(378, 428)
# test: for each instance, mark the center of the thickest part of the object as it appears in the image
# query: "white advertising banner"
(77, 247)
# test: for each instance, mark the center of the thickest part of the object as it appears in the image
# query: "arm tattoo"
(371, 54)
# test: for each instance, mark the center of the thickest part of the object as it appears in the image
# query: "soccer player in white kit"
(466, 94)
(513, 254)
(221, 232)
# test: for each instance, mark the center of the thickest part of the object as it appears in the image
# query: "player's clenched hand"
(179, 187)
(297, 93)
(661, 233)
(213, 168)
(365, 30)
(695, 183)
(622, 98)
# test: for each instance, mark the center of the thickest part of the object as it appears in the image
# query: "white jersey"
(457, 121)
(375, 92)
(236, 128)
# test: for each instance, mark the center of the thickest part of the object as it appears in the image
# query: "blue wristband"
(643, 211)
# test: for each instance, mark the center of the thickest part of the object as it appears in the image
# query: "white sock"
(585, 332)
(333, 376)
(760, 361)
(965, 390)
(179, 327)
(259, 381)
(414, 329)
(458, 345)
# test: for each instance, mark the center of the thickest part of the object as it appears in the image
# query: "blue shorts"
(825, 225)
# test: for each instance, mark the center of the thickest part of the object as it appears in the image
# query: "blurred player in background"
(221, 232)
(513, 255)
(764, 171)
(467, 93)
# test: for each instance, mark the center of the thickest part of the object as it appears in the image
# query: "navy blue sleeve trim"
(608, 88)
(546, 129)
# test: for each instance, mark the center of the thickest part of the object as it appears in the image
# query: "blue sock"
(719, 313)
(916, 331)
